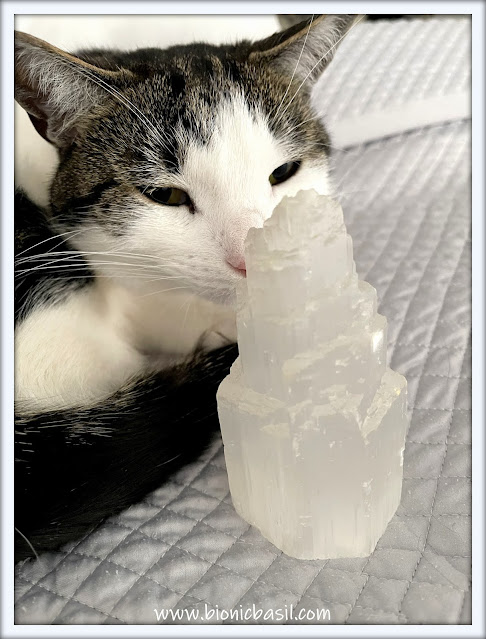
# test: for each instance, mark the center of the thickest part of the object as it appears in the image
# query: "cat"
(125, 281)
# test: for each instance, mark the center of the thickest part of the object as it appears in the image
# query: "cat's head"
(168, 157)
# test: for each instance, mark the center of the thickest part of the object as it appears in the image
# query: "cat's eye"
(283, 172)
(169, 196)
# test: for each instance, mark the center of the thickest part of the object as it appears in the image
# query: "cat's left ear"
(305, 49)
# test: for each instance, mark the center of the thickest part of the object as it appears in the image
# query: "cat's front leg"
(73, 352)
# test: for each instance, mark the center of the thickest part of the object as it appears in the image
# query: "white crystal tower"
(313, 422)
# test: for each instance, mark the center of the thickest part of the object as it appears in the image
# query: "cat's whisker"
(82, 266)
(28, 542)
(110, 276)
(295, 68)
(164, 278)
(316, 117)
(62, 257)
(165, 290)
(59, 271)
(52, 259)
(72, 259)
(80, 255)
(297, 126)
(189, 303)
(140, 268)
(47, 255)
(71, 233)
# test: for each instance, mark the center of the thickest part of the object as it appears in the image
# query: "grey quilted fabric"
(407, 207)
(382, 65)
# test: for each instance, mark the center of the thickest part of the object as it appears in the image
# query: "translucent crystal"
(313, 422)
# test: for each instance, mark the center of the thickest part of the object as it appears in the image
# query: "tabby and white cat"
(125, 282)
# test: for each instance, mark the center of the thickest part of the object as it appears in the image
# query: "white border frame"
(8, 9)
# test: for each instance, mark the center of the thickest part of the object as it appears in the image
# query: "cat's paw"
(221, 334)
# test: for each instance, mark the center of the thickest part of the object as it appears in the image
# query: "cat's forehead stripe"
(192, 107)
(184, 86)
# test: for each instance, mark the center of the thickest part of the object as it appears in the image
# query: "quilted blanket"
(183, 555)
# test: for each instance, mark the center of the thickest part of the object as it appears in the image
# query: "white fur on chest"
(72, 353)
(80, 351)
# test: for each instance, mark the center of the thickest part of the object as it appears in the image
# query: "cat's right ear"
(56, 88)
(304, 50)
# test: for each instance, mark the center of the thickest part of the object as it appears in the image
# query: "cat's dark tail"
(74, 468)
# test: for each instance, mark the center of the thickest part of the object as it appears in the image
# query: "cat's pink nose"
(238, 263)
